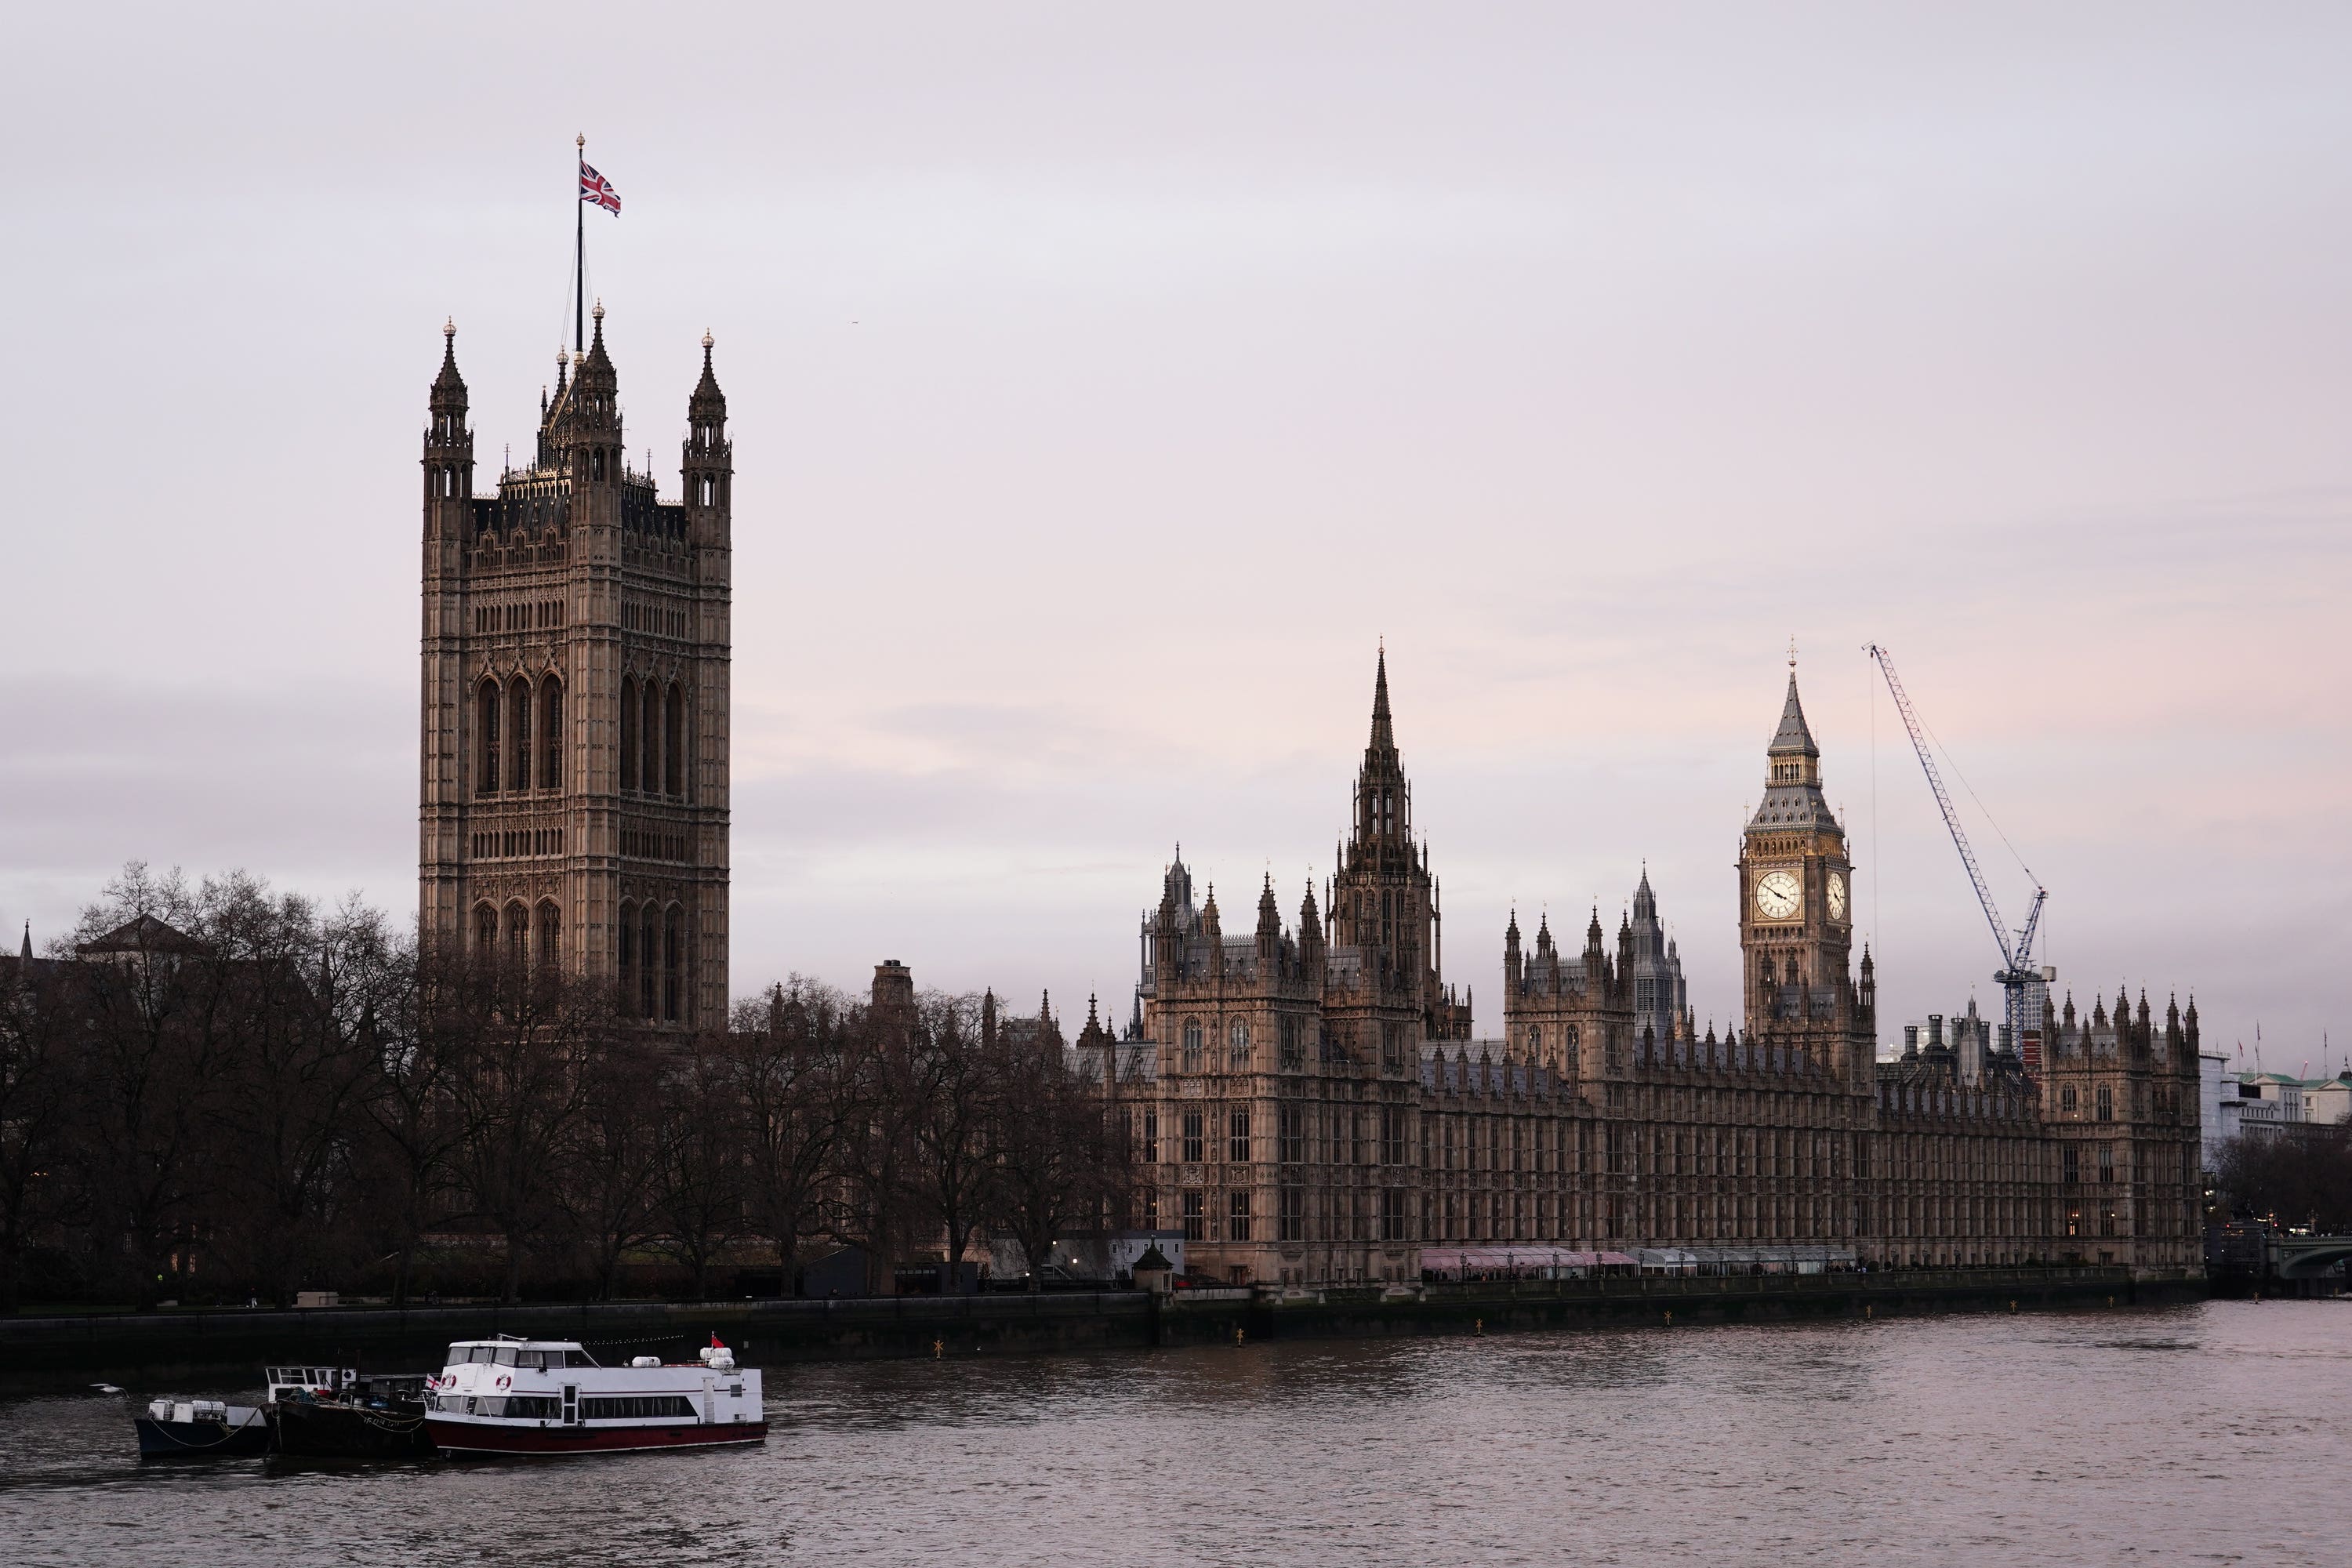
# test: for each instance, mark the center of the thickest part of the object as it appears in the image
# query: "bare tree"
(699, 1190)
(786, 1056)
(877, 1204)
(520, 1038)
(1061, 1165)
(613, 1159)
(36, 1069)
(297, 1081)
(957, 1111)
(159, 1010)
(413, 1129)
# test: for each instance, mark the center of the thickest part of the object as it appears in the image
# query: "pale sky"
(1104, 384)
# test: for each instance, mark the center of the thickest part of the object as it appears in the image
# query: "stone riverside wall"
(1661, 1300)
(763, 1333)
(771, 1332)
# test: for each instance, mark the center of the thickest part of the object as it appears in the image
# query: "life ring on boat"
(506, 1382)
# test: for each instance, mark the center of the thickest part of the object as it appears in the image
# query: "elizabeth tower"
(1796, 915)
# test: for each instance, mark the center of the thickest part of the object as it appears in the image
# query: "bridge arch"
(2309, 1258)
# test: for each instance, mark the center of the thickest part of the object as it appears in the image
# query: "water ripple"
(2088, 1438)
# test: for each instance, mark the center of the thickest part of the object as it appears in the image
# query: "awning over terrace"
(1539, 1262)
(1515, 1260)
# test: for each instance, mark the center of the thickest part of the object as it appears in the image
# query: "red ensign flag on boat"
(597, 191)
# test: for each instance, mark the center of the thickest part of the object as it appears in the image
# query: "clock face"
(1778, 895)
(1837, 897)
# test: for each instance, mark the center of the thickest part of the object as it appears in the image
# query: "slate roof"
(1793, 737)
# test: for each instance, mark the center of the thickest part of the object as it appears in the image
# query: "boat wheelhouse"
(510, 1395)
(295, 1382)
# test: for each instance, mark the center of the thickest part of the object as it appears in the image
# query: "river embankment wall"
(772, 1332)
(1503, 1307)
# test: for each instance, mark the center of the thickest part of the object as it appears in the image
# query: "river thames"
(2214, 1433)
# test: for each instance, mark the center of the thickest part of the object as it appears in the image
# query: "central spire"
(1794, 737)
(1384, 798)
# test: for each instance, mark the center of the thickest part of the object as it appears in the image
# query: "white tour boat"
(549, 1397)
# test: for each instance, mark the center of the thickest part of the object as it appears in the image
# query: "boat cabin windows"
(287, 1380)
(637, 1407)
(528, 1357)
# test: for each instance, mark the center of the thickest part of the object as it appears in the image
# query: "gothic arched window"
(486, 931)
(1192, 1044)
(550, 734)
(628, 732)
(518, 934)
(673, 965)
(2066, 1101)
(1238, 1043)
(486, 737)
(1535, 1038)
(674, 743)
(626, 925)
(2106, 1103)
(518, 734)
(648, 959)
(649, 741)
(550, 935)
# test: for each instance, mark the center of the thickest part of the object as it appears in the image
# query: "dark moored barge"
(201, 1429)
(333, 1413)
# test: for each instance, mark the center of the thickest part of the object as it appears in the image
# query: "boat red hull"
(480, 1437)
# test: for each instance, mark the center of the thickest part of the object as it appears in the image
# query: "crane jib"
(2016, 974)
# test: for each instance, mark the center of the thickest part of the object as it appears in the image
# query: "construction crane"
(2023, 985)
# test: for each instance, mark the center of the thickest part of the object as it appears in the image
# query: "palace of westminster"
(1306, 1100)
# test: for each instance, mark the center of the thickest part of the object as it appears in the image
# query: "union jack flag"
(598, 191)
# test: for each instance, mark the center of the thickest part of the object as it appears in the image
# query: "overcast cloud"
(1104, 385)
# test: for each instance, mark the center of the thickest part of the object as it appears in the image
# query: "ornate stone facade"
(1290, 1058)
(575, 717)
(1309, 1107)
(2121, 1102)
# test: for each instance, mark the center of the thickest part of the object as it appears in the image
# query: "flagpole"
(579, 250)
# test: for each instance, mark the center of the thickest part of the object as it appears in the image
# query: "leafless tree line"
(213, 1091)
(2296, 1175)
